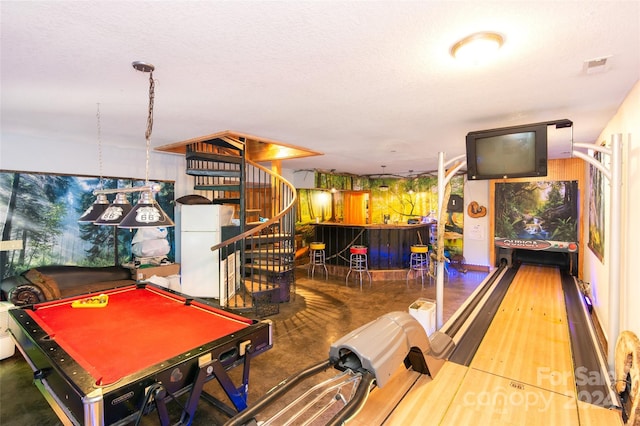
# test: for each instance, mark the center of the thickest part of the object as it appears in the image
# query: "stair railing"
(256, 266)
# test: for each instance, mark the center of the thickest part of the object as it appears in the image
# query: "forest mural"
(596, 210)
(403, 198)
(537, 211)
(42, 211)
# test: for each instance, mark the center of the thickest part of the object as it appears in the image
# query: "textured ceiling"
(366, 83)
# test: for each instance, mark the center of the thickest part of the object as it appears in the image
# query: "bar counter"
(389, 246)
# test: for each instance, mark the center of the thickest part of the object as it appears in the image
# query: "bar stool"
(358, 263)
(317, 258)
(419, 261)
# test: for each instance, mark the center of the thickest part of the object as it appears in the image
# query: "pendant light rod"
(383, 187)
(145, 67)
(155, 187)
(95, 210)
(148, 187)
(99, 132)
(147, 212)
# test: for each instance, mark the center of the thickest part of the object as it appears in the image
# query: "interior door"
(356, 207)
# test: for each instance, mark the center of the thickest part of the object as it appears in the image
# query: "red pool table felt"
(138, 328)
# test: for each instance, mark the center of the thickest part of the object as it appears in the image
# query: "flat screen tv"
(509, 152)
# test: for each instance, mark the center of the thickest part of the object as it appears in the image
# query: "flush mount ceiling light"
(477, 47)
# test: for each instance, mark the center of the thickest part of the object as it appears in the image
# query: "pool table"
(108, 365)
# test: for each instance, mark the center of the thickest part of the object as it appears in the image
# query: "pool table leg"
(238, 396)
(205, 371)
(159, 396)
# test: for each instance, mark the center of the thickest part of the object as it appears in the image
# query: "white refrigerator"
(199, 227)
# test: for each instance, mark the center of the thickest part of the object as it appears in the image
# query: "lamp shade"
(95, 210)
(146, 213)
(116, 211)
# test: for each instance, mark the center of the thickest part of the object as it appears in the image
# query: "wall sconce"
(324, 198)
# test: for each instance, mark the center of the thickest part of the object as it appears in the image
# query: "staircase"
(257, 257)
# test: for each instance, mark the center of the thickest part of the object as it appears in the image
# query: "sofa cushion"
(47, 284)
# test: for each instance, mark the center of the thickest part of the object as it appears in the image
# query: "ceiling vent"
(597, 65)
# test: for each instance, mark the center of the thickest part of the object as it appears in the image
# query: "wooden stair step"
(224, 200)
(270, 247)
(219, 142)
(275, 237)
(267, 238)
(192, 171)
(213, 157)
(257, 303)
(265, 253)
(270, 269)
(258, 285)
(220, 187)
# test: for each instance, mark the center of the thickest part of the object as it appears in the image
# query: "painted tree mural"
(537, 210)
(42, 211)
(403, 199)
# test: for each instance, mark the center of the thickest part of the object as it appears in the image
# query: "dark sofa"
(55, 281)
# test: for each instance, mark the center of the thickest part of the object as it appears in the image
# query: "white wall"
(61, 157)
(626, 121)
(303, 179)
(476, 242)
(289, 175)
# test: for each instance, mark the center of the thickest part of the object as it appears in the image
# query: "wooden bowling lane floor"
(528, 340)
(521, 374)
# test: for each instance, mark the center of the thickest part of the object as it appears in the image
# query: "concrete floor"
(321, 311)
